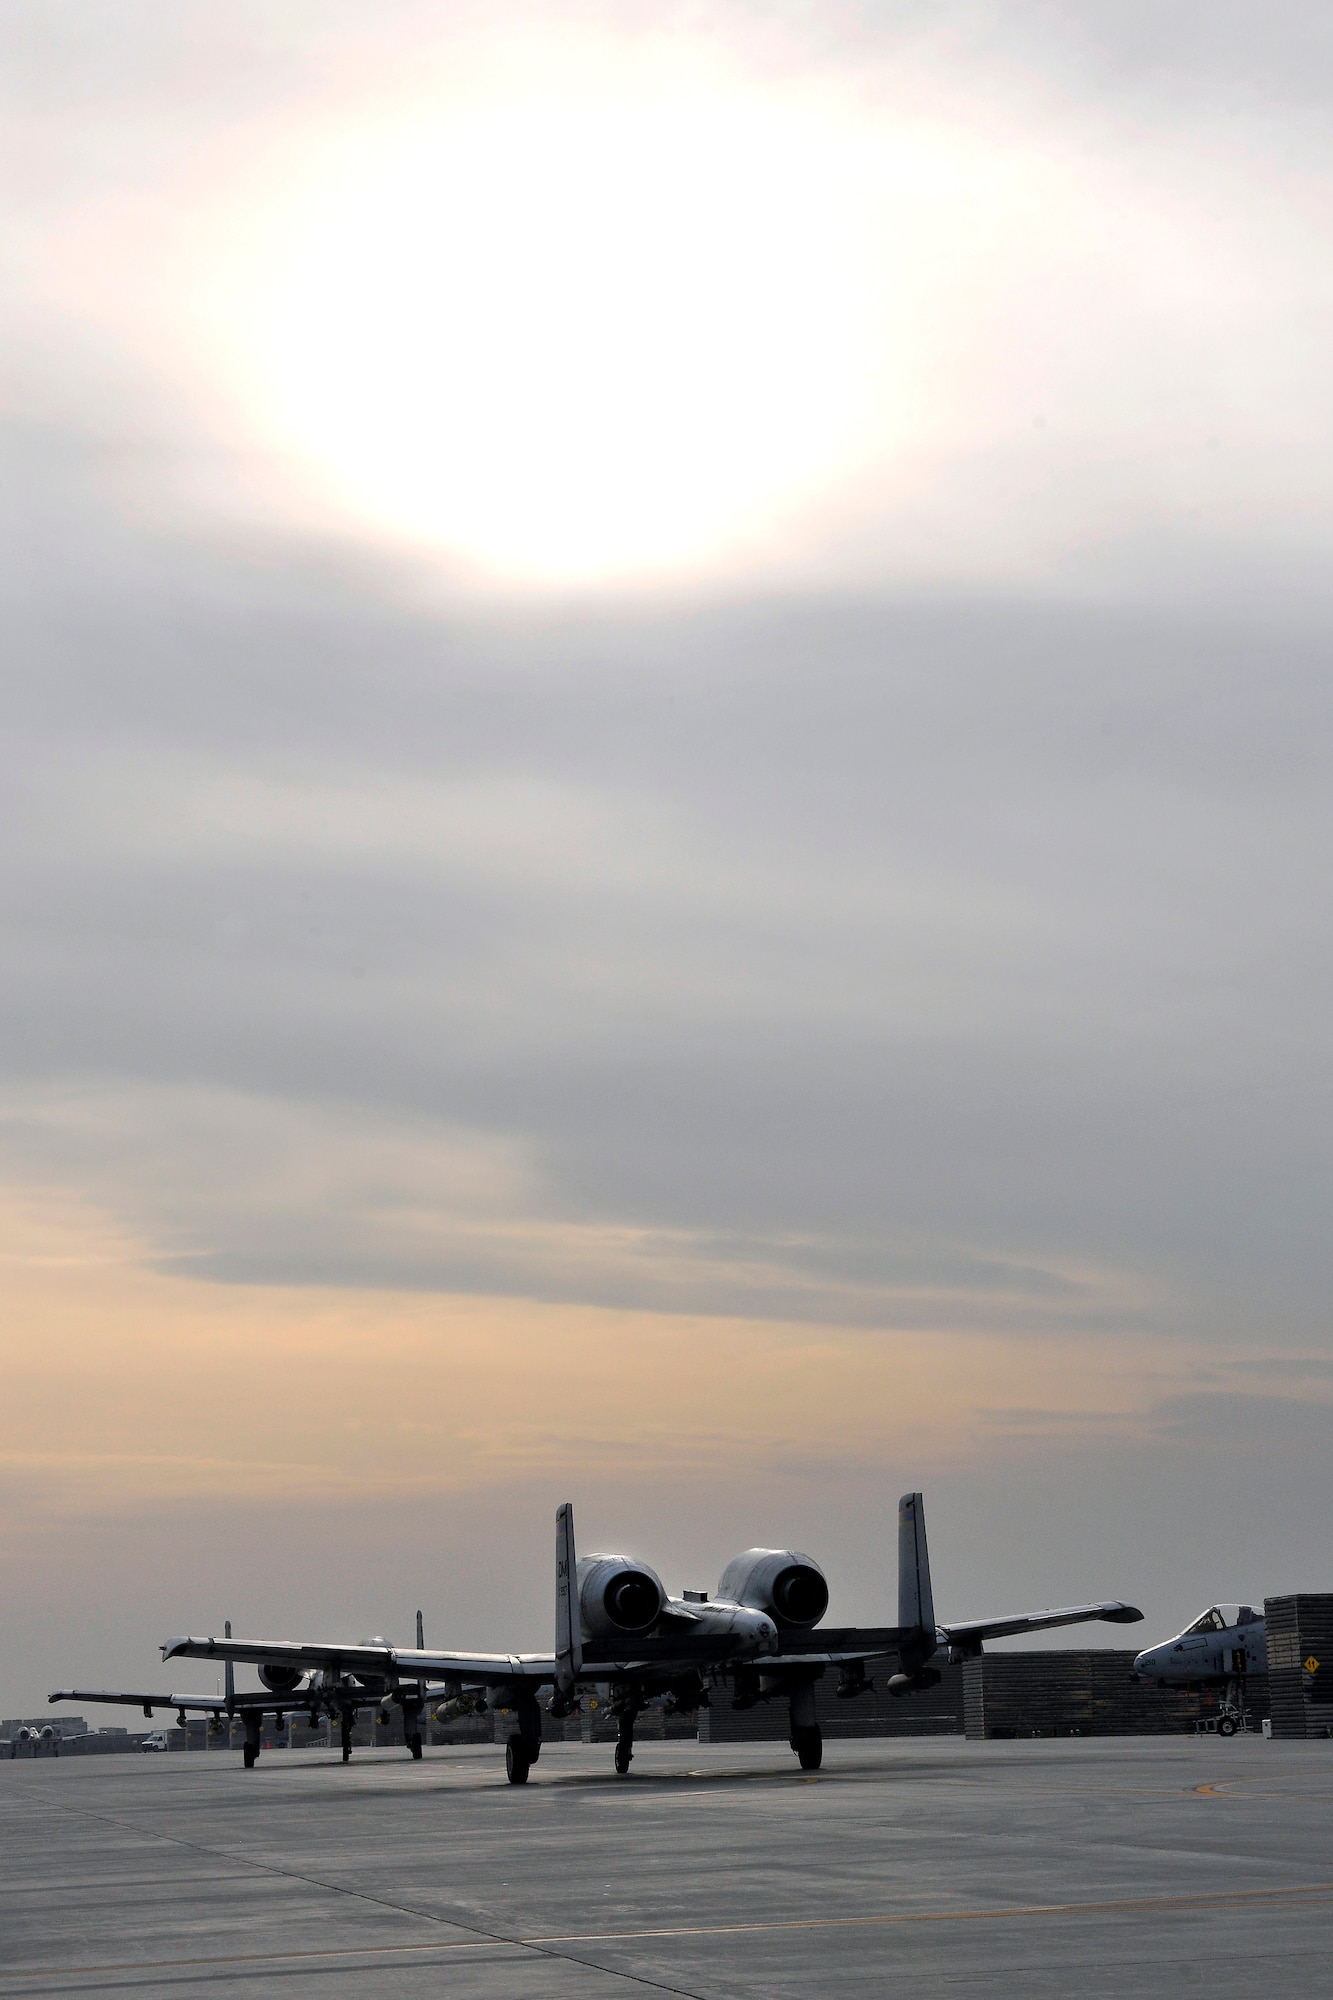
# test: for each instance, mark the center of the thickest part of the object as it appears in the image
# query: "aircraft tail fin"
(916, 1605)
(230, 1682)
(568, 1640)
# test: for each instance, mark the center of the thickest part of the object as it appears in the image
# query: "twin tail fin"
(916, 1604)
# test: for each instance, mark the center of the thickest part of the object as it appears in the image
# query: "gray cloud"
(1287, 1368)
(905, 937)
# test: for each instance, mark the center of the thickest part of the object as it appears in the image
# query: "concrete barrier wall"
(1300, 1662)
(1082, 1694)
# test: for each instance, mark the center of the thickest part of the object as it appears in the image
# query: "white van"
(157, 1741)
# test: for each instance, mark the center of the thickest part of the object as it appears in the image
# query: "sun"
(572, 338)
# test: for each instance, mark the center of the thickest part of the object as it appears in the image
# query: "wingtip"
(1123, 1614)
(171, 1647)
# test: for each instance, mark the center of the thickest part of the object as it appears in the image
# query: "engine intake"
(618, 1597)
(789, 1586)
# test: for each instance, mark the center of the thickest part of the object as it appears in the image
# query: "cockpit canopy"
(1223, 1617)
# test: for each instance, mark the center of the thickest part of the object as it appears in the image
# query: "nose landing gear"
(1232, 1719)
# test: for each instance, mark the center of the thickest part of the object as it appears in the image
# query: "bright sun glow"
(571, 339)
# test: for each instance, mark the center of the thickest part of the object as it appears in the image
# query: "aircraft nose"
(759, 1628)
(1144, 1663)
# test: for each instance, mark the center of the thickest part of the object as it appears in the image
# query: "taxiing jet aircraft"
(1217, 1650)
(617, 1628)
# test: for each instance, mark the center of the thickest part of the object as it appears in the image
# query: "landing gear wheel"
(1226, 1725)
(517, 1762)
(809, 1747)
(623, 1755)
(414, 1745)
(248, 1756)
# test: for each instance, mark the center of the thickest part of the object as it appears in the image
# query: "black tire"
(1226, 1725)
(248, 1756)
(517, 1762)
(414, 1745)
(623, 1756)
(809, 1747)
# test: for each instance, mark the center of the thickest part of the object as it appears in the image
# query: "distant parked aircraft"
(46, 1738)
(342, 1695)
(1218, 1650)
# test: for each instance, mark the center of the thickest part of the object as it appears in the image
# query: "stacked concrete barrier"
(1300, 1663)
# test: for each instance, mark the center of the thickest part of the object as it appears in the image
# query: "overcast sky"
(666, 807)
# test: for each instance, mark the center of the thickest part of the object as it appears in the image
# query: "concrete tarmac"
(1138, 1866)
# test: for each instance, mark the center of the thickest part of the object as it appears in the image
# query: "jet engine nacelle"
(279, 1679)
(617, 1596)
(789, 1586)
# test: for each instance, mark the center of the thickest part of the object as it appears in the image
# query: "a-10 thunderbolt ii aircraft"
(1218, 1650)
(339, 1695)
(616, 1627)
(46, 1738)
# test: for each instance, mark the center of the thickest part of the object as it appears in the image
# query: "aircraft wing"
(973, 1631)
(499, 1669)
(207, 1704)
(837, 1644)
(681, 1649)
(389, 1662)
(830, 1647)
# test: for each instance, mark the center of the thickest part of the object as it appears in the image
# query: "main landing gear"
(346, 1720)
(809, 1747)
(625, 1740)
(254, 1723)
(806, 1737)
(523, 1749)
(412, 1728)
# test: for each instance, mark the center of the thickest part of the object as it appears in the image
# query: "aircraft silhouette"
(618, 1629)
